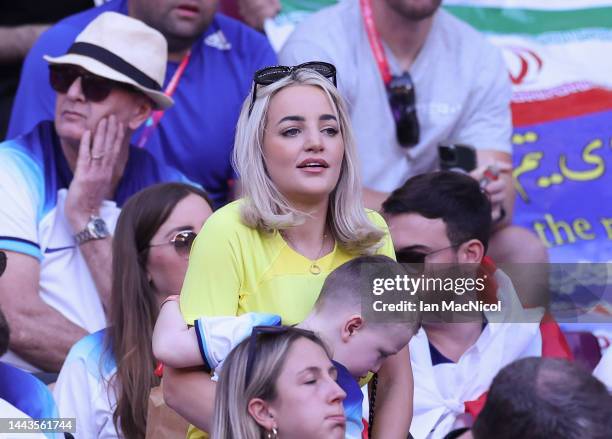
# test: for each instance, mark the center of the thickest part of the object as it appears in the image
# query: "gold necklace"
(314, 267)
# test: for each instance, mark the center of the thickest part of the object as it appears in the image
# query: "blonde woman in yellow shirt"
(300, 217)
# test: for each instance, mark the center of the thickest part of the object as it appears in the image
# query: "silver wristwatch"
(95, 229)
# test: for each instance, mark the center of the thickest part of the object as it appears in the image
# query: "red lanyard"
(377, 48)
(156, 116)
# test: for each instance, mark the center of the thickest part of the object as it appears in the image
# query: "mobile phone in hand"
(457, 157)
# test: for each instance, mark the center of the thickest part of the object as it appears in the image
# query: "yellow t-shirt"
(234, 269)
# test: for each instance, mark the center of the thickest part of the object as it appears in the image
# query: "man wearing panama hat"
(211, 62)
(62, 184)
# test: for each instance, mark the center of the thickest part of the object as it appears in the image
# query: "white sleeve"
(21, 194)
(217, 336)
(487, 122)
(80, 392)
(72, 394)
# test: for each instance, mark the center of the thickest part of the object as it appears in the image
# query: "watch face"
(99, 227)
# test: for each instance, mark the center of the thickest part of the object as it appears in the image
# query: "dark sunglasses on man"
(95, 88)
(269, 75)
(402, 100)
(411, 255)
(182, 242)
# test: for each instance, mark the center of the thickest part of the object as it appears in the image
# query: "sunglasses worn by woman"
(269, 75)
(182, 242)
(400, 92)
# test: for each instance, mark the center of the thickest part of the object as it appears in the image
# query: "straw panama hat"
(121, 48)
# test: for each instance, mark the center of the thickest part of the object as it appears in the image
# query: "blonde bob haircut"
(265, 208)
(231, 416)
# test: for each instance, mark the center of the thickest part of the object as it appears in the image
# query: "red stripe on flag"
(573, 105)
(554, 343)
(364, 432)
(475, 406)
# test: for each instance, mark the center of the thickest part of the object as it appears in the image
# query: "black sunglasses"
(402, 100)
(412, 256)
(261, 331)
(270, 75)
(182, 242)
(2, 262)
(95, 88)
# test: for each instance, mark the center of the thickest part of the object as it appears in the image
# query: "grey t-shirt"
(462, 90)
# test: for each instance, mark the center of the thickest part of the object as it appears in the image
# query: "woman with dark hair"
(106, 379)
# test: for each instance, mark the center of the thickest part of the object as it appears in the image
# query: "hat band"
(115, 62)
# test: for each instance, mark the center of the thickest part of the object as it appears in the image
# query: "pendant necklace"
(314, 267)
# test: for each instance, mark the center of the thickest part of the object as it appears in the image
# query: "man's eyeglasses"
(261, 331)
(402, 99)
(182, 242)
(411, 256)
(270, 75)
(95, 88)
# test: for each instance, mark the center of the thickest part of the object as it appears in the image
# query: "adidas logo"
(218, 41)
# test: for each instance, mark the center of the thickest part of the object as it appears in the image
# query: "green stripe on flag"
(530, 21)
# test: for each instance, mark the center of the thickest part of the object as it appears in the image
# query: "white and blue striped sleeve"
(21, 199)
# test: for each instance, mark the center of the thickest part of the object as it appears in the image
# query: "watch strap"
(84, 236)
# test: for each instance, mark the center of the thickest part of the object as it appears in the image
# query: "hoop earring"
(272, 434)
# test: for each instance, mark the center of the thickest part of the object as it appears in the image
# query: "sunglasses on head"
(262, 331)
(402, 100)
(270, 75)
(95, 88)
(182, 242)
